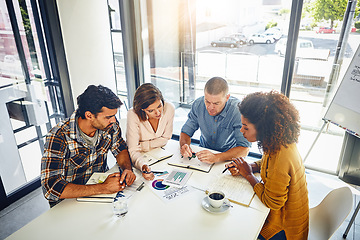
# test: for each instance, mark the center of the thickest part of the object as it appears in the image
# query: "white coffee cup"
(216, 198)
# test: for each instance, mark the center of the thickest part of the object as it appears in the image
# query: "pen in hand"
(124, 182)
(193, 155)
(227, 168)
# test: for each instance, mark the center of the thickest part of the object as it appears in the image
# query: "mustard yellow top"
(284, 190)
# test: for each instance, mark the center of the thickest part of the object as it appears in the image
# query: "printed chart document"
(156, 155)
(166, 193)
(192, 163)
(99, 177)
(177, 178)
(236, 188)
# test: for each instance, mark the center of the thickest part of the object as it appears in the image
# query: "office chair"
(327, 217)
(122, 122)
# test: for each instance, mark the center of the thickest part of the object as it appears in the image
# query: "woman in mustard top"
(273, 122)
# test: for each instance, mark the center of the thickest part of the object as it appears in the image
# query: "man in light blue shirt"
(219, 119)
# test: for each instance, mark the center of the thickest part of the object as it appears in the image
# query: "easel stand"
(349, 163)
(351, 220)
(326, 122)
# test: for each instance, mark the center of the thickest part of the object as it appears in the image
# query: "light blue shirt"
(220, 132)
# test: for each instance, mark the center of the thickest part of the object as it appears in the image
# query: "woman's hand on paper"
(146, 172)
(239, 167)
(244, 169)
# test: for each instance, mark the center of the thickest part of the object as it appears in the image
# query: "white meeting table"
(149, 217)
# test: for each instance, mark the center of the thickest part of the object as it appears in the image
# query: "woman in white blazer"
(149, 125)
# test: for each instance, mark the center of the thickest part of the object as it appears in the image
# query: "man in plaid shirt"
(77, 147)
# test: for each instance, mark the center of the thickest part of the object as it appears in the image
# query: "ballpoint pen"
(125, 182)
(192, 156)
(140, 187)
(159, 172)
(227, 168)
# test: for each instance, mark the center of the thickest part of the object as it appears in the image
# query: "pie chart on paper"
(158, 185)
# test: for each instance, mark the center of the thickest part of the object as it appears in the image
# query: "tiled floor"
(31, 206)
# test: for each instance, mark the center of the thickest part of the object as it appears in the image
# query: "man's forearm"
(72, 190)
(233, 153)
(123, 160)
(184, 139)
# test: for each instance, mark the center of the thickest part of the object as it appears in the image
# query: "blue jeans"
(279, 236)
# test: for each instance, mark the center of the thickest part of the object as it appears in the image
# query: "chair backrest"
(122, 122)
(327, 217)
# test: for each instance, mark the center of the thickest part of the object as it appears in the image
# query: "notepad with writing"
(236, 188)
(156, 155)
(192, 163)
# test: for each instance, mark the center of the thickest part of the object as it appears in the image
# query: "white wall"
(86, 34)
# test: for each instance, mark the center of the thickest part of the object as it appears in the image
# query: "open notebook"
(236, 188)
(192, 163)
(99, 177)
(156, 155)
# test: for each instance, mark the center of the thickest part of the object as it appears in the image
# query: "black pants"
(279, 236)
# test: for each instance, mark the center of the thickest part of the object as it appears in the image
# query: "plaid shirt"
(68, 158)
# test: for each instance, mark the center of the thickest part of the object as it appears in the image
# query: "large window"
(234, 39)
(117, 44)
(246, 42)
(318, 72)
(30, 102)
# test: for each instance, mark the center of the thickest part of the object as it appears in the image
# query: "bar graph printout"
(177, 178)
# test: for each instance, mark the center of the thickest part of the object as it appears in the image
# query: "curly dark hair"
(276, 119)
(144, 96)
(94, 98)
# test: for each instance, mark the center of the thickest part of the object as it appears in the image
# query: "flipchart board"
(344, 109)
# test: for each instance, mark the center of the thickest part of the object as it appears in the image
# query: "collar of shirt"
(223, 113)
(75, 134)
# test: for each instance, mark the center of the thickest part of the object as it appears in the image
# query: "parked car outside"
(302, 45)
(274, 33)
(305, 49)
(325, 30)
(261, 38)
(275, 36)
(226, 42)
(240, 36)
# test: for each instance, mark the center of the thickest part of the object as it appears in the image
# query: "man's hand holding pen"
(186, 151)
(116, 182)
(127, 178)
